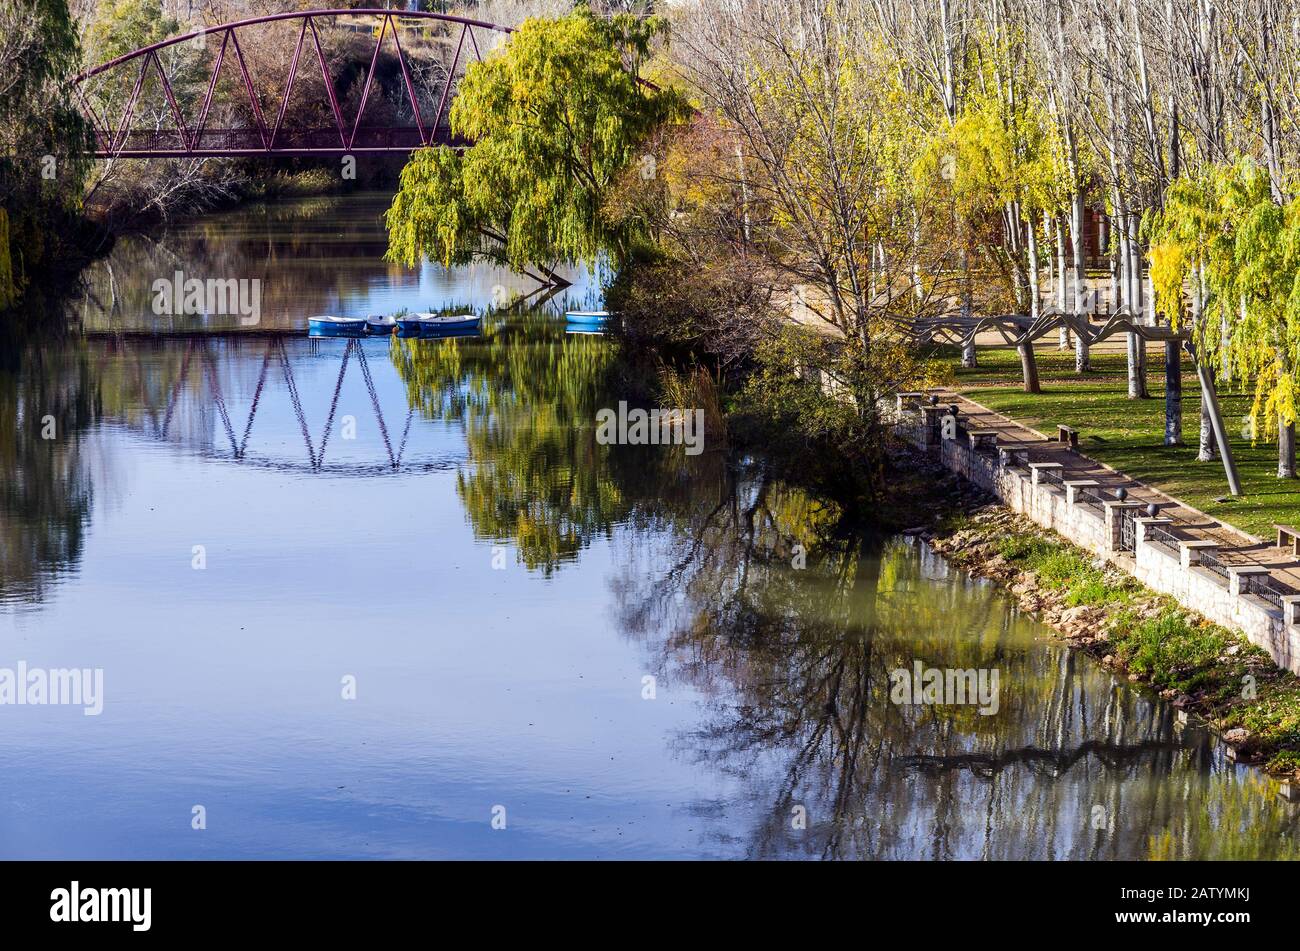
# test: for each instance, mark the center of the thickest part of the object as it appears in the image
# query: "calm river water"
(393, 599)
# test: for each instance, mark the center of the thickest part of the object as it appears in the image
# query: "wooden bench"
(1068, 434)
(1288, 537)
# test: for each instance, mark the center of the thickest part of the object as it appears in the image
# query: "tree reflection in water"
(792, 665)
(527, 396)
(795, 667)
(45, 483)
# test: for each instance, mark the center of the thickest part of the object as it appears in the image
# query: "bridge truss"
(170, 134)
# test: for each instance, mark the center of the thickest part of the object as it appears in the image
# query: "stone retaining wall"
(1031, 490)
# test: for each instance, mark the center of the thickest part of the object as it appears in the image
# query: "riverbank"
(1129, 434)
(1209, 673)
(1205, 670)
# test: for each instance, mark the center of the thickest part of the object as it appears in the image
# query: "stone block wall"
(1159, 568)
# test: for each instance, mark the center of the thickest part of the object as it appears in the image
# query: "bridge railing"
(251, 141)
(307, 54)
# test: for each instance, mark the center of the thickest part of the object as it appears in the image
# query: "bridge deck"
(173, 134)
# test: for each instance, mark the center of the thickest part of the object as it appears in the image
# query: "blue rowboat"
(380, 326)
(325, 326)
(436, 323)
(586, 316)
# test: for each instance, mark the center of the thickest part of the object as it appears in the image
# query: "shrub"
(1285, 761)
(1091, 591)
(1170, 649)
(1064, 568)
(1022, 548)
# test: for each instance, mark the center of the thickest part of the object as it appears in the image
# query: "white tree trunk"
(1031, 251)
(1206, 450)
(1136, 302)
(1082, 358)
(1052, 228)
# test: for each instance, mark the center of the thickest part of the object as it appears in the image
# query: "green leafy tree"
(42, 141)
(121, 26)
(555, 117)
(1225, 225)
(1001, 164)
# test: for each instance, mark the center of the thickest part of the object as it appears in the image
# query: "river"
(393, 599)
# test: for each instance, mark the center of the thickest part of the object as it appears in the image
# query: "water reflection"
(353, 497)
(796, 666)
(310, 256)
(47, 404)
(536, 476)
(518, 398)
(776, 677)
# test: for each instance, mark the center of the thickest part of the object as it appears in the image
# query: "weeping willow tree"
(555, 118)
(1224, 231)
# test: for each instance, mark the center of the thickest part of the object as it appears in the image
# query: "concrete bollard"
(1237, 572)
(1037, 467)
(1190, 551)
(1072, 487)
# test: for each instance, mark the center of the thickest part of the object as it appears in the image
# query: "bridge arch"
(115, 136)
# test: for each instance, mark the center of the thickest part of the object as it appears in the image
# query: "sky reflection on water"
(521, 686)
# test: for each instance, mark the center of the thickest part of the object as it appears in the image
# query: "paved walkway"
(1235, 547)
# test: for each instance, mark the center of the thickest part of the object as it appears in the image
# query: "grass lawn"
(1129, 434)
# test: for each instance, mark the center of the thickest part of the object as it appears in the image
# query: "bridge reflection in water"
(507, 415)
(774, 682)
(204, 381)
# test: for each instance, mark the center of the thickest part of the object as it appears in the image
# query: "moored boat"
(427, 323)
(325, 325)
(586, 316)
(380, 326)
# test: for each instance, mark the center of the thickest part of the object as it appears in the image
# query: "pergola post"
(1028, 365)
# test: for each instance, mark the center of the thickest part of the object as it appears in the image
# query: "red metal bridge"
(248, 122)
